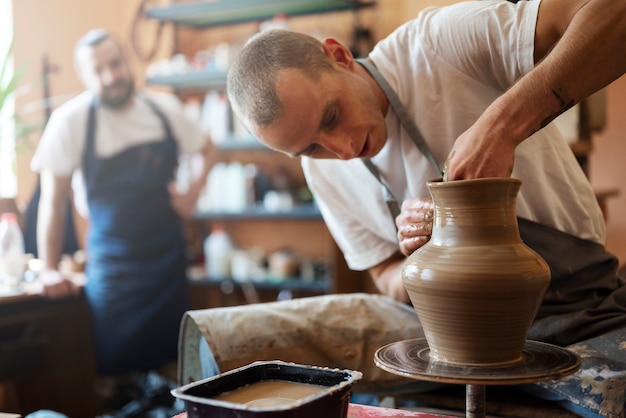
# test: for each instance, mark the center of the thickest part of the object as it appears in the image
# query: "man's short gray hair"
(252, 77)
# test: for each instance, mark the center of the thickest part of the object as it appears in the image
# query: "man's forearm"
(588, 56)
(50, 227)
(208, 157)
(51, 218)
(590, 36)
(387, 277)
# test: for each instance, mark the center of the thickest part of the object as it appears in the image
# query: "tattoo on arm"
(565, 102)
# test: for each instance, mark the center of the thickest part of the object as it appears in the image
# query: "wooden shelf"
(227, 12)
(313, 286)
(196, 80)
(242, 145)
(301, 213)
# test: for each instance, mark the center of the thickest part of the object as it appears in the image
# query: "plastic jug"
(12, 254)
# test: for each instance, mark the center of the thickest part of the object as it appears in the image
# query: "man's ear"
(338, 53)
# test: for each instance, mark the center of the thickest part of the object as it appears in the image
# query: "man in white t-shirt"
(481, 90)
(120, 149)
(481, 80)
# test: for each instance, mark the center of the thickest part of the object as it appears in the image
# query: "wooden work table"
(46, 355)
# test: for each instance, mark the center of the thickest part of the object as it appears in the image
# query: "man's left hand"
(415, 224)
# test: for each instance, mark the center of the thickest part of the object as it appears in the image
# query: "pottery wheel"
(540, 362)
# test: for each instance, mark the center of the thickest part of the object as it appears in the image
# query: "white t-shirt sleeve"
(349, 197)
(486, 40)
(350, 200)
(60, 147)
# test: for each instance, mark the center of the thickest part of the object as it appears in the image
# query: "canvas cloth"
(342, 331)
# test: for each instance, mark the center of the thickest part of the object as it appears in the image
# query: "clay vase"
(476, 287)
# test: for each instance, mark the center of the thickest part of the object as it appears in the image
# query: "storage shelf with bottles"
(197, 73)
(216, 13)
(228, 292)
(262, 261)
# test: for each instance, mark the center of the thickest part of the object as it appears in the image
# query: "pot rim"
(438, 182)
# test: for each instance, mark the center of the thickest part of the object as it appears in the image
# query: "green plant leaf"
(5, 63)
(11, 86)
(8, 87)
(4, 91)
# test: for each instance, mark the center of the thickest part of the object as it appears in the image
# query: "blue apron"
(136, 279)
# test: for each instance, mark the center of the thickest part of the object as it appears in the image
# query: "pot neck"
(475, 212)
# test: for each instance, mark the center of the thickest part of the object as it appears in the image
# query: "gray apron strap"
(400, 110)
(390, 199)
(409, 126)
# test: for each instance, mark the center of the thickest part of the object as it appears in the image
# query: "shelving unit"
(301, 229)
(210, 291)
(211, 14)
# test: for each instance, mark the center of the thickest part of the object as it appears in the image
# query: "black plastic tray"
(329, 403)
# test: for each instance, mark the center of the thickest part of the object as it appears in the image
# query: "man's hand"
(183, 203)
(55, 286)
(415, 224)
(478, 153)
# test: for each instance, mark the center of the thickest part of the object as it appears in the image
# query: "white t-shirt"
(63, 141)
(447, 66)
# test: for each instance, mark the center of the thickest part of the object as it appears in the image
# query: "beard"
(117, 95)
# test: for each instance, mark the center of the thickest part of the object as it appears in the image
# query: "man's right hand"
(55, 286)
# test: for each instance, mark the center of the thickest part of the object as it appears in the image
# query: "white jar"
(218, 249)
(12, 254)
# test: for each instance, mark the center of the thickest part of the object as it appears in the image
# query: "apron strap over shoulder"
(401, 112)
(409, 126)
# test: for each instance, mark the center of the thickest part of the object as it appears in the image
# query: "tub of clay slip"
(273, 389)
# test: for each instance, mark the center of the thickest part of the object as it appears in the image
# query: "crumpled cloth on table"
(342, 331)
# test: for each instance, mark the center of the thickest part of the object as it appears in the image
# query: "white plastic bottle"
(12, 255)
(216, 187)
(236, 187)
(218, 249)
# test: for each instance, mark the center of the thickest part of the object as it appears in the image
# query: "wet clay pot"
(475, 286)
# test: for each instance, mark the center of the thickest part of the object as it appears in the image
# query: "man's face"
(105, 72)
(335, 117)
